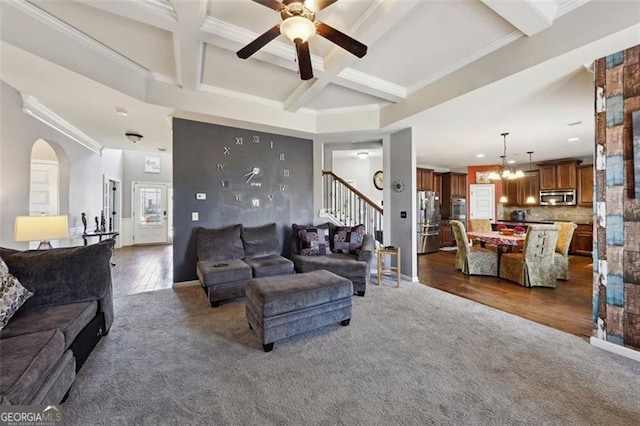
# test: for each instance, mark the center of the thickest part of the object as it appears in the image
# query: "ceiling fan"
(299, 24)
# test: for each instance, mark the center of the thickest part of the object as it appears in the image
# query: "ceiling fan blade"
(341, 39)
(321, 4)
(271, 4)
(314, 5)
(259, 42)
(304, 61)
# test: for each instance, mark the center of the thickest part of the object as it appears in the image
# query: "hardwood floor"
(566, 307)
(142, 268)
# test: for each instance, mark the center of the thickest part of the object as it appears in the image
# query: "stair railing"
(350, 206)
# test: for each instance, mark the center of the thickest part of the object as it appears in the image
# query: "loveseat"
(343, 250)
(229, 257)
(46, 341)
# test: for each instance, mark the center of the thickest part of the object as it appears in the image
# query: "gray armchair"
(355, 267)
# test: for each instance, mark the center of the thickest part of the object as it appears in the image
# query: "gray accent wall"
(208, 159)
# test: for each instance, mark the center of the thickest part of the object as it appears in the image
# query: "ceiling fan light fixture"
(298, 29)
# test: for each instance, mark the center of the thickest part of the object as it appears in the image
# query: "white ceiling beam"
(188, 48)
(146, 12)
(377, 20)
(529, 16)
(374, 86)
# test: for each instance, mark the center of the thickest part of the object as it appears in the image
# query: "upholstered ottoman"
(283, 306)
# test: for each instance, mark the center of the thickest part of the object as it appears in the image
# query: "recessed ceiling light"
(573, 139)
(363, 155)
(511, 161)
(479, 155)
(121, 112)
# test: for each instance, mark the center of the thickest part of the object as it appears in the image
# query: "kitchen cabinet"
(582, 241)
(517, 190)
(560, 175)
(454, 185)
(437, 183)
(446, 235)
(585, 185)
(424, 179)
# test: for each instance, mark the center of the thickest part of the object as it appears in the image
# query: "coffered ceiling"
(458, 72)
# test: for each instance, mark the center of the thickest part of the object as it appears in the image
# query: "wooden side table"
(393, 251)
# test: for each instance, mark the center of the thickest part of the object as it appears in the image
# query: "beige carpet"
(413, 355)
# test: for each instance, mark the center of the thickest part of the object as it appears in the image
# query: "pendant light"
(531, 199)
(504, 172)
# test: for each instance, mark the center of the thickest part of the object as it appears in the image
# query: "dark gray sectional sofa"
(229, 257)
(48, 339)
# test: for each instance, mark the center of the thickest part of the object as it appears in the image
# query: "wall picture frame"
(483, 177)
(151, 164)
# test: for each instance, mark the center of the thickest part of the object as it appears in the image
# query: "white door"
(483, 201)
(43, 197)
(149, 213)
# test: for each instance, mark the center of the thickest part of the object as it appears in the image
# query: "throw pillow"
(348, 239)
(12, 294)
(313, 241)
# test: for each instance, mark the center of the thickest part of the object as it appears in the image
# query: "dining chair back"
(535, 265)
(473, 260)
(481, 225)
(561, 255)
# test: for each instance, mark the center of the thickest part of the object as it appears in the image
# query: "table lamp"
(41, 228)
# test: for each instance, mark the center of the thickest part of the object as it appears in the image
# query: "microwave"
(564, 197)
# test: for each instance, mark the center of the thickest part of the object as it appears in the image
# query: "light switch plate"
(201, 196)
(195, 216)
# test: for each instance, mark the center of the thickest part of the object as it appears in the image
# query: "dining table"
(504, 242)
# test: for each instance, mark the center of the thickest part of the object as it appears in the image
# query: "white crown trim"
(373, 82)
(163, 7)
(239, 95)
(34, 108)
(79, 36)
(501, 42)
(566, 6)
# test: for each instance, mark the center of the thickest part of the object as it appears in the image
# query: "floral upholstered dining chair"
(473, 260)
(481, 225)
(561, 255)
(534, 266)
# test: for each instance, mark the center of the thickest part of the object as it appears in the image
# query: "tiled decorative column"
(616, 280)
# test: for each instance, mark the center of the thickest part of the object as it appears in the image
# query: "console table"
(86, 236)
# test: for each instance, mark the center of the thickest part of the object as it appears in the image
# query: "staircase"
(346, 205)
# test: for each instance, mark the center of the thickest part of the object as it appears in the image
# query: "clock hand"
(250, 177)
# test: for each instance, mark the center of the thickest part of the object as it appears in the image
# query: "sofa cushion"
(266, 266)
(348, 239)
(12, 294)
(260, 241)
(62, 275)
(345, 265)
(212, 273)
(26, 362)
(219, 244)
(70, 319)
(314, 241)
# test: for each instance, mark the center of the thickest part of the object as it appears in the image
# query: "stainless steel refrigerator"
(428, 217)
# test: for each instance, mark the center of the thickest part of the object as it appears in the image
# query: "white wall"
(134, 172)
(360, 171)
(81, 168)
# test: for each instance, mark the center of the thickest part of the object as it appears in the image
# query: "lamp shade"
(297, 28)
(41, 228)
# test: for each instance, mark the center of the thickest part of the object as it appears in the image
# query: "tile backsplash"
(580, 214)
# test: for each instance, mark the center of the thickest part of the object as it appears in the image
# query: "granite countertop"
(511, 222)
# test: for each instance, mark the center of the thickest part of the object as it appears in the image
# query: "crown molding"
(566, 6)
(501, 42)
(79, 36)
(161, 7)
(239, 95)
(34, 108)
(381, 88)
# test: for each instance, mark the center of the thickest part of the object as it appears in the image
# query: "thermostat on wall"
(201, 196)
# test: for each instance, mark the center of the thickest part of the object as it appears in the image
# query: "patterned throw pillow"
(313, 241)
(348, 239)
(12, 294)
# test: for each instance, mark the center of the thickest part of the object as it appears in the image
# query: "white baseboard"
(182, 284)
(616, 349)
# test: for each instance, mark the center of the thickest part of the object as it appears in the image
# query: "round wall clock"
(378, 179)
(398, 186)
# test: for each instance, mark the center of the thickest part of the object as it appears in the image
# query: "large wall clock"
(378, 179)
